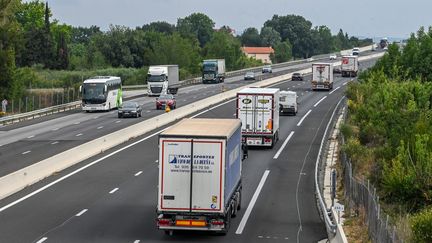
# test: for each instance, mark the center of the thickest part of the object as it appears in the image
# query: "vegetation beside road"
(39, 52)
(389, 131)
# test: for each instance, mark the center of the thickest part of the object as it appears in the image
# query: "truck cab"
(162, 79)
(213, 71)
(288, 102)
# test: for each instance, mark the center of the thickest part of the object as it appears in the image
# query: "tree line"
(33, 46)
(389, 131)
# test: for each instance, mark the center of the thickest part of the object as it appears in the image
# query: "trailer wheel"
(169, 232)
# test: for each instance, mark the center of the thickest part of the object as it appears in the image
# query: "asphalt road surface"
(112, 197)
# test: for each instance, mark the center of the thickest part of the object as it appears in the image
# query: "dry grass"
(355, 228)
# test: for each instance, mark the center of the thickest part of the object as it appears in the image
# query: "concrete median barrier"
(22, 178)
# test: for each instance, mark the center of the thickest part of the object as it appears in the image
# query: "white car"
(333, 57)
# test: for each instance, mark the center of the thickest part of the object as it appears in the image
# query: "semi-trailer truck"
(213, 71)
(206, 195)
(349, 66)
(163, 79)
(258, 110)
(322, 76)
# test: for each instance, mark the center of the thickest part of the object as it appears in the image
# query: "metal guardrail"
(73, 105)
(38, 113)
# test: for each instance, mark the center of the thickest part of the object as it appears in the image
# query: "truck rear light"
(217, 222)
(195, 223)
(164, 222)
(267, 140)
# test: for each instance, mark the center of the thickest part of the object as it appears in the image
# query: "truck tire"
(227, 223)
(239, 200)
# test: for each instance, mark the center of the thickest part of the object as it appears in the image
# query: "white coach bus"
(101, 93)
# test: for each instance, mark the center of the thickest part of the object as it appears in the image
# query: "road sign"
(339, 207)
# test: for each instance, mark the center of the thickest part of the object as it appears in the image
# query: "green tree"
(269, 36)
(62, 53)
(48, 56)
(283, 52)
(8, 35)
(225, 46)
(297, 30)
(31, 15)
(83, 35)
(250, 37)
(196, 25)
(159, 26)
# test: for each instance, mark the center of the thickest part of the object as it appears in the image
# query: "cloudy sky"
(372, 18)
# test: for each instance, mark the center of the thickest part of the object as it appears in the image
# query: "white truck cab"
(288, 102)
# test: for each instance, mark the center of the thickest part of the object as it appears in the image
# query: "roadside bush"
(421, 226)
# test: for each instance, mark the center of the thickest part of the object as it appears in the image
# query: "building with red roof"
(259, 53)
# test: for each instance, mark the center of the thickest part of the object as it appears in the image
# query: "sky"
(367, 18)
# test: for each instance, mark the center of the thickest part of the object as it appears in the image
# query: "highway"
(112, 197)
(29, 142)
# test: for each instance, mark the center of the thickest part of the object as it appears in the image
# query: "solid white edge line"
(113, 190)
(323, 98)
(252, 203)
(304, 117)
(82, 212)
(42, 240)
(334, 90)
(283, 145)
(138, 173)
(344, 83)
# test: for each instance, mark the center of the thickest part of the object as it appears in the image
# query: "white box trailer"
(163, 79)
(322, 76)
(349, 66)
(206, 195)
(258, 110)
(288, 102)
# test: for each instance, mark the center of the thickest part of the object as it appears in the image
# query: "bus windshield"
(93, 91)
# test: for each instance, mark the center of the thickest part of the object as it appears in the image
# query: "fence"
(361, 194)
(40, 99)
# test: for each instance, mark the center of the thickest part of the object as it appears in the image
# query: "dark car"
(267, 69)
(129, 109)
(249, 75)
(166, 100)
(297, 76)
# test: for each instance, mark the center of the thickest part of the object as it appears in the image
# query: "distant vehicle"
(249, 75)
(349, 66)
(383, 43)
(257, 108)
(267, 69)
(337, 69)
(333, 57)
(130, 109)
(213, 71)
(297, 76)
(163, 79)
(373, 47)
(288, 102)
(205, 196)
(166, 100)
(385, 48)
(355, 51)
(322, 76)
(101, 93)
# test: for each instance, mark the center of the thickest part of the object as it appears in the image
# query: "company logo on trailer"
(246, 101)
(320, 69)
(185, 159)
(263, 101)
